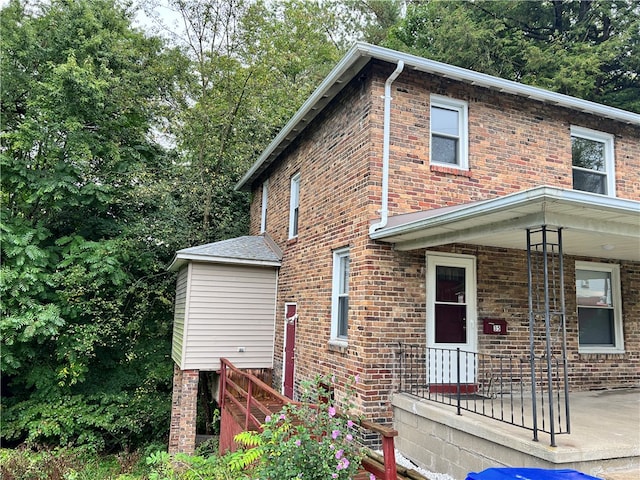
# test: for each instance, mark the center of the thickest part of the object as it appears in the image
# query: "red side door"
(291, 317)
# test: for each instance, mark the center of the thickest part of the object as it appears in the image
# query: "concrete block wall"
(443, 442)
(184, 403)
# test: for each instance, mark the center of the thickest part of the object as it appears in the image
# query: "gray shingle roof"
(252, 250)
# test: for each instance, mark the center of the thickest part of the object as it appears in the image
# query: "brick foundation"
(182, 436)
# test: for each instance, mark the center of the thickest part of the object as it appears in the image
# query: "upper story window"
(263, 209)
(599, 314)
(340, 295)
(294, 204)
(593, 161)
(449, 136)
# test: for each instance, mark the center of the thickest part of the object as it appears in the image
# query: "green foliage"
(588, 49)
(230, 105)
(187, 467)
(302, 441)
(69, 464)
(85, 315)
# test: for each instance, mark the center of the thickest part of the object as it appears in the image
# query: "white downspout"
(384, 211)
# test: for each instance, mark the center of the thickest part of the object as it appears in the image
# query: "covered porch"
(604, 442)
(521, 340)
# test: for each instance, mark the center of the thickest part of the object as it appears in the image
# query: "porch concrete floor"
(605, 424)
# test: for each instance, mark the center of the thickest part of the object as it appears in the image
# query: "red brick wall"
(515, 144)
(184, 402)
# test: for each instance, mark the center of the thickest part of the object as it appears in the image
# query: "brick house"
(413, 204)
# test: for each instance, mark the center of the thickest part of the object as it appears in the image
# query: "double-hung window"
(294, 205)
(449, 136)
(592, 159)
(340, 295)
(263, 211)
(599, 313)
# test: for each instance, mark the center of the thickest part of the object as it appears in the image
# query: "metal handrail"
(247, 400)
(490, 385)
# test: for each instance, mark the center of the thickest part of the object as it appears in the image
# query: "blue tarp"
(528, 474)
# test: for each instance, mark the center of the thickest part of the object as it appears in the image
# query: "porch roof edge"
(544, 205)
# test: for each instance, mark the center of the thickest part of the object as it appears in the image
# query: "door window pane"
(450, 284)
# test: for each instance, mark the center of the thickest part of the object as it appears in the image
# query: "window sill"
(339, 346)
(452, 170)
(601, 351)
(292, 241)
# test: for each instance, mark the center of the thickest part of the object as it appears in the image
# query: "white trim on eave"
(543, 193)
(182, 259)
(361, 53)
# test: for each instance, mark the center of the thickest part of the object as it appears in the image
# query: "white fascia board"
(500, 84)
(309, 108)
(360, 54)
(543, 193)
(181, 259)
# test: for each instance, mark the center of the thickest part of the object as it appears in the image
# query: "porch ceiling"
(593, 225)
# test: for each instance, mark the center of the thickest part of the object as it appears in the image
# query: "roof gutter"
(384, 211)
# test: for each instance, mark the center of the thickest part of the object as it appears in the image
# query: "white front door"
(451, 318)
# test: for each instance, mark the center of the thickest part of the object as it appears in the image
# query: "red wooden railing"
(245, 401)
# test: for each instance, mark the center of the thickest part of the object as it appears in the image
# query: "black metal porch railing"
(500, 387)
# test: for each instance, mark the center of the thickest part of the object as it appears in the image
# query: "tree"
(252, 65)
(588, 49)
(85, 311)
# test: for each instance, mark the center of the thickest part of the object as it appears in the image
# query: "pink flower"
(349, 437)
(350, 423)
(334, 475)
(335, 434)
(267, 419)
(282, 416)
(332, 411)
(372, 476)
(339, 454)
(297, 442)
(357, 378)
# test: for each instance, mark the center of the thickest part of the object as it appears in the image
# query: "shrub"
(303, 441)
(186, 467)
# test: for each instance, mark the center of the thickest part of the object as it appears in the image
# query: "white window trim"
(284, 346)
(463, 127)
(263, 208)
(434, 259)
(294, 202)
(338, 255)
(609, 154)
(614, 270)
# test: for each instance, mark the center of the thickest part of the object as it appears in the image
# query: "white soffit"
(593, 225)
